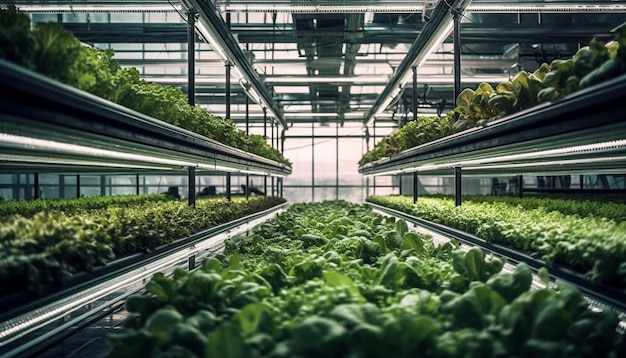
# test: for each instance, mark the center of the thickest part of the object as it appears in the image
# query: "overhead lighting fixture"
(35, 145)
(398, 7)
(381, 79)
(545, 8)
(120, 7)
(212, 27)
(353, 115)
(210, 39)
(433, 34)
(394, 6)
(310, 115)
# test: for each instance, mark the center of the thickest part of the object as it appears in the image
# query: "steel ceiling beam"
(222, 40)
(432, 35)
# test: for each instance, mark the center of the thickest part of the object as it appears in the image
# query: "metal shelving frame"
(46, 126)
(37, 324)
(582, 133)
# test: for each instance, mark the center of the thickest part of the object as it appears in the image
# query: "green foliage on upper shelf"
(608, 207)
(592, 245)
(28, 208)
(423, 130)
(591, 65)
(54, 244)
(335, 279)
(49, 49)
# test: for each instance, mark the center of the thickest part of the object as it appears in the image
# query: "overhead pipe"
(214, 30)
(434, 32)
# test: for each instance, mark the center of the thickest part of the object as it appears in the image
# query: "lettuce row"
(594, 246)
(334, 279)
(50, 247)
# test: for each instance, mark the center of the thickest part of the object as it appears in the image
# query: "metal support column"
(312, 161)
(457, 186)
(247, 115)
(36, 185)
(103, 185)
(415, 182)
(191, 185)
(520, 185)
(337, 161)
(137, 183)
(228, 66)
(191, 57)
(247, 186)
(582, 182)
(265, 137)
(374, 146)
(78, 185)
(61, 186)
(456, 34)
(414, 104)
(228, 196)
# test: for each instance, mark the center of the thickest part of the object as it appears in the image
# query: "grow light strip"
(28, 144)
(99, 8)
(414, 7)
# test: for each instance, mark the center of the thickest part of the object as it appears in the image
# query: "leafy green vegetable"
(398, 302)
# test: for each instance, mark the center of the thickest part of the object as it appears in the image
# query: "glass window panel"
(297, 195)
(35, 18)
(127, 17)
(89, 191)
(382, 180)
(325, 130)
(6, 194)
(383, 191)
(7, 179)
(50, 191)
(48, 179)
(352, 194)
(350, 150)
(89, 180)
(299, 129)
(120, 190)
(127, 46)
(156, 17)
(322, 194)
(325, 162)
(70, 191)
(298, 151)
(69, 179)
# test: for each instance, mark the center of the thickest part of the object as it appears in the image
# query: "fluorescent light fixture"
(612, 146)
(203, 29)
(414, 6)
(119, 7)
(16, 160)
(380, 79)
(553, 163)
(544, 8)
(396, 7)
(431, 45)
(27, 144)
(529, 159)
(309, 115)
(353, 115)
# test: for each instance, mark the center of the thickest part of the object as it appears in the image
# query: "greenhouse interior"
(313, 178)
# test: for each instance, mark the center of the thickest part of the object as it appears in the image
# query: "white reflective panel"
(298, 108)
(292, 89)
